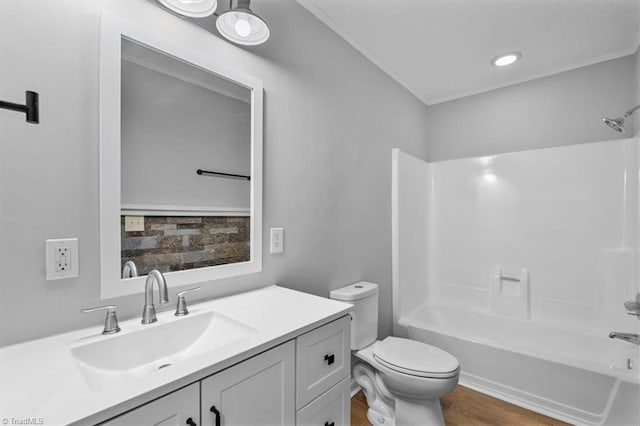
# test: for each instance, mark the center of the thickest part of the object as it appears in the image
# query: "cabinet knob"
(215, 411)
(190, 422)
(330, 359)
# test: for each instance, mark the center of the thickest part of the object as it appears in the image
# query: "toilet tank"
(364, 319)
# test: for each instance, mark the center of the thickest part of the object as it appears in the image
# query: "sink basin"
(112, 361)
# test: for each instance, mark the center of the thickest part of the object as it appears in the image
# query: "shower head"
(617, 124)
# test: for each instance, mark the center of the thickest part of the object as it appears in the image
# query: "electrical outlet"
(133, 223)
(61, 258)
(62, 261)
(277, 240)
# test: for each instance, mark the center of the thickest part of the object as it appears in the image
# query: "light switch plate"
(277, 240)
(61, 258)
(133, 223)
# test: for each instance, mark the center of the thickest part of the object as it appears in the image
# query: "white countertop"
(41, 379)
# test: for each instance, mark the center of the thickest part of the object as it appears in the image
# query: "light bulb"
(242, 27)
(506, 59)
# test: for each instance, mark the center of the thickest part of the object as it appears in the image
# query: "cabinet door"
(181, 407)
(258, 391)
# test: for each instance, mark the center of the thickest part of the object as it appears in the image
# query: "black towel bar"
(220, 174)
(31, 108)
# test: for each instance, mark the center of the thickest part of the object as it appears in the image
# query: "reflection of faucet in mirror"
(129, 270)
(149, 310)
(627, 337)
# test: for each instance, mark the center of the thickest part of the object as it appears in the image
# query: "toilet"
(402, 379)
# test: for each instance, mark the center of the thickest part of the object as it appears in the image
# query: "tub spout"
(627, 337)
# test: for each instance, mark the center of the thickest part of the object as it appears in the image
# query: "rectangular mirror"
(180, 163)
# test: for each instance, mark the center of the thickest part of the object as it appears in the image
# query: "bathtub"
(578, 376)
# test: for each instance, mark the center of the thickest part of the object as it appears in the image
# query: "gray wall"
(331, 119)
(637, 102)
(561, 109)
(171, 128)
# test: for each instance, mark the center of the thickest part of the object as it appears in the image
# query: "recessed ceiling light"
(506, 59)
(191, 8)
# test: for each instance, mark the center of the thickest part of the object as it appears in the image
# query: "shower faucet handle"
(181, 307)
(111, 320)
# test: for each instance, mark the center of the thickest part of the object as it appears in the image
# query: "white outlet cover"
(53, 247)
(133, 223)
(277, 240)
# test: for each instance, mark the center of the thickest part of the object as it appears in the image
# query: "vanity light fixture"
(191, 8)
(240, 25)
(505, 59)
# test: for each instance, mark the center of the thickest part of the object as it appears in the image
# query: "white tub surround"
(567, 215)
(576, 376)
(43, 378)
(519, 265)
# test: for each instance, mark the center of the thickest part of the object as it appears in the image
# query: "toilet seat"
(415, 358)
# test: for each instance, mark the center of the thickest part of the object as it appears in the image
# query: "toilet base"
(420, 413)
(386, 409)
(423, 412)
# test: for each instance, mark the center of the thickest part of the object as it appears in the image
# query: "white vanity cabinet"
(304, 381)
(181, 407)
(259, 391)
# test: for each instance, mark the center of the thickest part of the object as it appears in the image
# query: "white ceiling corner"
(440, 50)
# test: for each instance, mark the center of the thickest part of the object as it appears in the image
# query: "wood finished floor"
(466, 407)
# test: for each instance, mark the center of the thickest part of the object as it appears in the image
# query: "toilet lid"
(415, 358)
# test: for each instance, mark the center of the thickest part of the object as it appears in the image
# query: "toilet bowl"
(412, 391)
(402, 379)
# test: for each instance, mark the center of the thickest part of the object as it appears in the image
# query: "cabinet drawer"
(332, 408)
(322, 359)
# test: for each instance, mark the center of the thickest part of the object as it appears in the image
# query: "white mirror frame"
(112, 30)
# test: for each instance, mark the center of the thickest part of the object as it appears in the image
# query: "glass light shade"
(506, 59)
(242, 26)
(191, 8)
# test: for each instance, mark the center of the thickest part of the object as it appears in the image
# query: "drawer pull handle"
(329, 424)
(215, 411)
(330, 359)
(190, 422)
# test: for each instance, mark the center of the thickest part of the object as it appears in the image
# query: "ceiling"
(440, 50)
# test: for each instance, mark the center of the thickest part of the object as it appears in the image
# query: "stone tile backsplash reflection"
(175, 243)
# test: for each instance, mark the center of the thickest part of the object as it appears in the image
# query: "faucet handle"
(110, 321)
(633, 306)
(181, 307)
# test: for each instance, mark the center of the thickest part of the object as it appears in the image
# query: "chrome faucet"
(129, 269)
(149, 310)
(627, 337)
